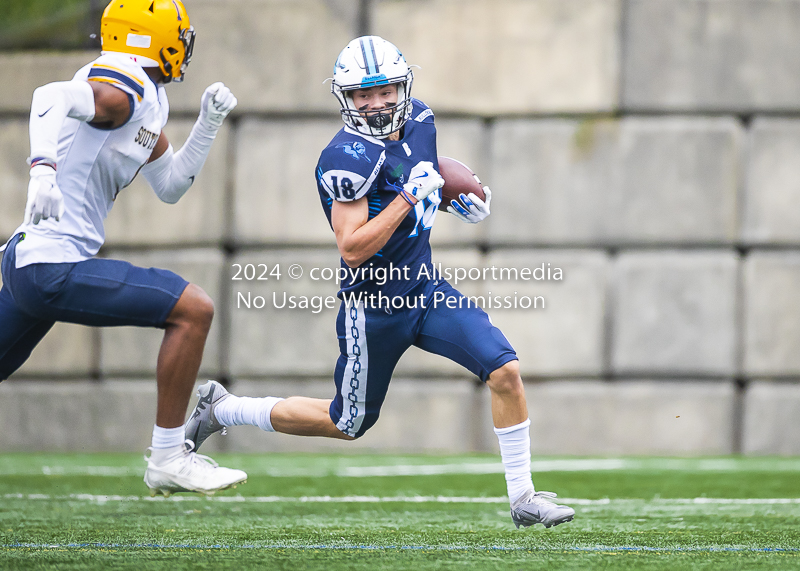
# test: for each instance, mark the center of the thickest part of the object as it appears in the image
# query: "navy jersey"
(355, 166)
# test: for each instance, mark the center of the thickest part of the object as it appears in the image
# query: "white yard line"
(400, 499)
(445, 468)
(569, 465)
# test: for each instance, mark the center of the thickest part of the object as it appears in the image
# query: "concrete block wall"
(634, 180)
(710, 56)
(647, 148)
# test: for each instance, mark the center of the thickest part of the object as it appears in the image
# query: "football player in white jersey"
(89, 138)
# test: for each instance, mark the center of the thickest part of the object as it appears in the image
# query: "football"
(458, 179)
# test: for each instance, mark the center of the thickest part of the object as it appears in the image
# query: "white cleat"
(202, 423)
(187, 471)
(536, 507)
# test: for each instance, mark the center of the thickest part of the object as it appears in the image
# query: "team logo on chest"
(356, 150)
(146, 138)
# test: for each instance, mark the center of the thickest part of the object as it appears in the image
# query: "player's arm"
(359, 238)
(51, 105)
(98, 103)
(170, 173)
(112, 106)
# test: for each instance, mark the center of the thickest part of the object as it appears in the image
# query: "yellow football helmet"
(157, 32)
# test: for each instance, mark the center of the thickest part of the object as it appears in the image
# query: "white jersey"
(95, 164)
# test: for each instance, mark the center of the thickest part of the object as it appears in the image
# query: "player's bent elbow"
(352, 259)
(172, 191)
(40, 91)
(355, 253)
(48, 90)
(45, 97)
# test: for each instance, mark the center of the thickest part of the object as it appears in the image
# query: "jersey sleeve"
(421, 113)
(347, 171)
(122, 74)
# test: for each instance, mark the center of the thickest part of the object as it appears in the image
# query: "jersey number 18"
(347, 188)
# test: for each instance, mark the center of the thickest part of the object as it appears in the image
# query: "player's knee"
(194, 307)
(203, 310)
(333, 431)
(363, 429)
(506, 379)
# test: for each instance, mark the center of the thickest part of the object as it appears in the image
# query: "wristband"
(407, 198)
(42, 161)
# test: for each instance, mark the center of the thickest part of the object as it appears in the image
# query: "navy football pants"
(372, 340)
(96, 292)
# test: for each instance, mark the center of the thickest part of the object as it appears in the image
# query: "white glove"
(216, 103)
(423, 180)
(44, 197)
(476, 209)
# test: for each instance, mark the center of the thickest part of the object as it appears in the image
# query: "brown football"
(458, 179)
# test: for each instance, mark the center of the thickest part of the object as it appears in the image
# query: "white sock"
(238, 411)
(515, 450)
(168, 437)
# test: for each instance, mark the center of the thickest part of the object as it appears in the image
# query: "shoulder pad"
(119, 71)
(421, 112)
(350, 152)
(347, 180)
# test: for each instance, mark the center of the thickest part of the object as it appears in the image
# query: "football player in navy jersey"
(379, 185)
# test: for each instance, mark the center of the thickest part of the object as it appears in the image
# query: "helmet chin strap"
(167, 67)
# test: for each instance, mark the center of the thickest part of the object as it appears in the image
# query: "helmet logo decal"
(356, 150)
(372, 67)
(138, 41)
(373, 81)
(178, 10)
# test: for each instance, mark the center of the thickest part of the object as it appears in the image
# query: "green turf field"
(68, 511)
